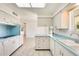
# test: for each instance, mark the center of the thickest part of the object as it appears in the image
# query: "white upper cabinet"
(61, 20)
(6, 18)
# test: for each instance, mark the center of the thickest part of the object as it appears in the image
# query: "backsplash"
(8, 30)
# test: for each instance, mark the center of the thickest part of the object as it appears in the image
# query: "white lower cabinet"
(65, 52)
(59, 50)
(9, 45)
(52, 46)
(42, 42)
(1, 49)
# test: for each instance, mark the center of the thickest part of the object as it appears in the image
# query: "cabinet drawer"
(9, 46)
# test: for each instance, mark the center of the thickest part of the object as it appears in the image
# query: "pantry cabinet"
(61, 20)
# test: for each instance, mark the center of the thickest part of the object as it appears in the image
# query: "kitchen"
(33, 30)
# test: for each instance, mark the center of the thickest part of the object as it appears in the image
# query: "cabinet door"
(45, 43)
(65, 52)
(64, 19)
(52, 46)
(42, 43)
(2, 17)
(37, 40)
(1, 49)
(9, 46)
(58, 49)
(57, 20)
(19, 41)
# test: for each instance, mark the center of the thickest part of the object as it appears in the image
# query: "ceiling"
(49, 9)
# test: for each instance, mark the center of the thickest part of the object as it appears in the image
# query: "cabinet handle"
(62, 54)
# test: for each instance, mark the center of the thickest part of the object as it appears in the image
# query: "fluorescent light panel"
(33, 5)
(23, 4)
(38, 5)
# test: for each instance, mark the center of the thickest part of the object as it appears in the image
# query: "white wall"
(42, 31)
(33, 29)
(31, 25)
(43, 24)
(44, 21)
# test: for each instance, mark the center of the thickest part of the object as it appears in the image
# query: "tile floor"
(28, 49)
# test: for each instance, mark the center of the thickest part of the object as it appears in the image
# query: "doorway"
(24, 30)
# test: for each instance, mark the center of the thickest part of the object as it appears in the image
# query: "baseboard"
(42, 49)
(45, 50)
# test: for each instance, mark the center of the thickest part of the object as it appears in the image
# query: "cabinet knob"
(60, 52)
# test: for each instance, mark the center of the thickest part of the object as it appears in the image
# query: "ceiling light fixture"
(31, 5)
(38, 5)
(23, 4)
